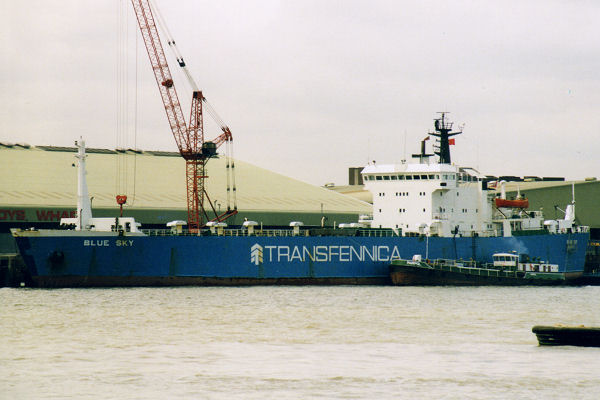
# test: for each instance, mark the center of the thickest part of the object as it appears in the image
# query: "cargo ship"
(429, 207)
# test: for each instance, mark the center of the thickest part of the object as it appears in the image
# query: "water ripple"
(341, 342)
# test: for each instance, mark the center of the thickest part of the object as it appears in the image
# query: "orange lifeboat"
(520, 203)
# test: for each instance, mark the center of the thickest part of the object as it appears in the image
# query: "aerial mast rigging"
(442, 132)
(189, 138)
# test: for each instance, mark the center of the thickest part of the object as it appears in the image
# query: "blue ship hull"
(109, 260)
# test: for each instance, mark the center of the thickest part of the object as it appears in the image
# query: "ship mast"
(84, 205)
(442, 132)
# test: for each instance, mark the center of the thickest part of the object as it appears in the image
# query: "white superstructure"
(428, 198)
(442, 199)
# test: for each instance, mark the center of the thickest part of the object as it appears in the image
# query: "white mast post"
(84, 206)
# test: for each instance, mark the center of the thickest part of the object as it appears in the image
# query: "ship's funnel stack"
(423, 156)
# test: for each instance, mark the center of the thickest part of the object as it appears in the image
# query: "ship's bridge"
(409, 168)
(443, 174)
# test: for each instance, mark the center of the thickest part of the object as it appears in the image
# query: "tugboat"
(507, 269)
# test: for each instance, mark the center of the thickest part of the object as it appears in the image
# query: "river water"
(342, 342)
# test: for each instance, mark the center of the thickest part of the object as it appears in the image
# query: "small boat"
(506, 203)
(567, 336)
(502, 202)
(507, 269)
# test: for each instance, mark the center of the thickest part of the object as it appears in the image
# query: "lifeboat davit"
(521, 203)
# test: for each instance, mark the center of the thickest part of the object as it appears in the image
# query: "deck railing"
(478, 271)
(274, 232)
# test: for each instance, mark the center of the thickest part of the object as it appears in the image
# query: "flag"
(451, 141)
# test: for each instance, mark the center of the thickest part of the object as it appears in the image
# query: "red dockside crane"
(189, 138)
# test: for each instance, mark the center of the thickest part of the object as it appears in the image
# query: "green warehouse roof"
(44, 176)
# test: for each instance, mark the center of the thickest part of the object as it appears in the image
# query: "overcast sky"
(310, 88)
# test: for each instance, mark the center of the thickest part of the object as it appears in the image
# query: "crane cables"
(207, 106)
(126, 104)
(230, 176)
(179, 57)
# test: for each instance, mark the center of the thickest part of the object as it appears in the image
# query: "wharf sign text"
(42, 215)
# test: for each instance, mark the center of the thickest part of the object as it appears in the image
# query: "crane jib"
(189, 138)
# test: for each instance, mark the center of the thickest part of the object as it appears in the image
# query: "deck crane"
(189, 138)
